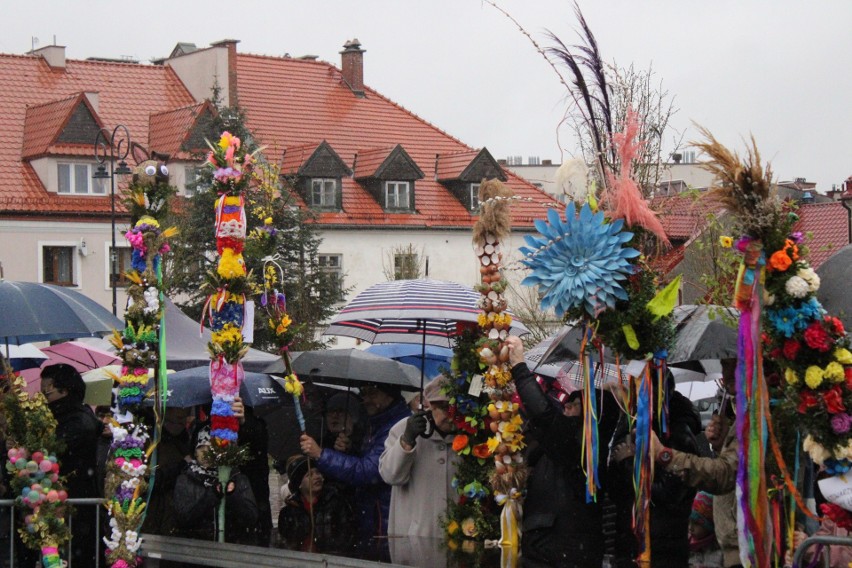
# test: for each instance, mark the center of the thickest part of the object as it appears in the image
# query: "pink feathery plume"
(625, 199)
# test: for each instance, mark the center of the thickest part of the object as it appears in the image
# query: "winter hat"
(203, 437)
(433, 393)
(345, 401)
(297, 469)
(702, 511)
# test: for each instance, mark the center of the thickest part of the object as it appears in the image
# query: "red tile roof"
(451, 165)
(291, 103)
(684, 215)
(127, 94)
(295, 157)
(370, 161)
(43, 124)
(170, 129)
(828, 227)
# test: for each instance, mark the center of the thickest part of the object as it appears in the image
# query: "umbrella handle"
(430, 425)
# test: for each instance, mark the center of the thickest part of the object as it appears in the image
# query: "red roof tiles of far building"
(126, 94)
(170, 130)
(310, 103)
(44, 124)
(683, 215)
(827, 224)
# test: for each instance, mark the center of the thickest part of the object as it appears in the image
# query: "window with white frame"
(76, 178)
(396, 195)
(333, 265)
(406, 266)
(323, 192)
(57, 265)
(474, 196)
(122, 265)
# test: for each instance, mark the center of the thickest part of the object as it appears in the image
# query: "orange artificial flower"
(481, 450)
(459, 442)
(780, 261)
(793, 248)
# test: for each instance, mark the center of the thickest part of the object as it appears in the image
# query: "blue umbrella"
(436, 358)
(191, 387)
(44, 312)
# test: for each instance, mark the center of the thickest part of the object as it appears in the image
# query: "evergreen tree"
(277, 227)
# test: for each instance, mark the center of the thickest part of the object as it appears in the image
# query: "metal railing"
(826, 541)
(7, 508)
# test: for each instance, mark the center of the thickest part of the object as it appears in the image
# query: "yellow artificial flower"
(834, 372)
(267, 221)
(282, 326)
(231, 264)
(292, 385)
(843, 356)
(147, 220)
(482, 320)
(493, 442)
(452, 528)
(726, 242)
(813, 376)
(791, 377)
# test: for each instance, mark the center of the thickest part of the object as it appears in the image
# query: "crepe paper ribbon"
(590, 417)
(50, 557)
(643, 465)
(750, 272)
(663, 394)
(510, 534)
(508, 557)
(752, 401)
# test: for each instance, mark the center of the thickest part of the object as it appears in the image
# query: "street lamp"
(112, 146)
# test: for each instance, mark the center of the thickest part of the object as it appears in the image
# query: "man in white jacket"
(420, 469)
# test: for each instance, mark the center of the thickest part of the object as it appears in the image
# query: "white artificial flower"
(797, 287)
(812, 278)
(768, 299)
(817, 452)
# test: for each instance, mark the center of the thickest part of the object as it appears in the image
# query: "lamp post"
(113, 145)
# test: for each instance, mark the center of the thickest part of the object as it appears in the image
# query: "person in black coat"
(253, 435)
(316, 517)
(77, 433)
(559, 527)
(198, 492)
(671, 498)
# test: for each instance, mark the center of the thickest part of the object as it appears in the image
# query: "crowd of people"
(379, 468)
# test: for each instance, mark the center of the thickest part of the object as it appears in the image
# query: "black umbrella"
(835, 275)
(191, 387)
(44, 312)
(703, 332)
(343, 365)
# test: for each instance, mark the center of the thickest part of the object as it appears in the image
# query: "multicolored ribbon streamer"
(590, 416)
(643, 465)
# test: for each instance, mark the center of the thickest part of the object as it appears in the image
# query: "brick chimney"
(352, 64)
(54, 55)
(231, 45)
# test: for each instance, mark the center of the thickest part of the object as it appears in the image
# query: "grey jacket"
(421, 482)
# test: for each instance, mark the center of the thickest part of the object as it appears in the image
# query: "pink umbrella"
(82, 356)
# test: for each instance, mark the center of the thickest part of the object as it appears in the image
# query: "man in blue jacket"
(385, 407)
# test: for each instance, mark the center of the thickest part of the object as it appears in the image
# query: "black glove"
(416, 425)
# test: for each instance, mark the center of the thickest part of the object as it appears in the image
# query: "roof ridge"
(185, 107)
(76, 95)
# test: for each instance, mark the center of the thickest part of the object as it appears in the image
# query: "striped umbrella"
(423, 311)
(396, 311)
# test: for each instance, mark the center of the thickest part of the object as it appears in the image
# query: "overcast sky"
(778, 69)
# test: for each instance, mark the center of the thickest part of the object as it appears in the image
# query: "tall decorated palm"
(141, 347)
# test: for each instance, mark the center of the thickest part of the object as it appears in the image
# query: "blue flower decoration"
(579, 263)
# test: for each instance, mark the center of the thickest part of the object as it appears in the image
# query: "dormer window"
(76, 178)
(474, 196)
(324, 193)
(397, 195)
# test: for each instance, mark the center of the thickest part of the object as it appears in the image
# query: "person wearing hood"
(77, 432)
(559, 527)
(419, 468)
(344, 422)
(385, 407)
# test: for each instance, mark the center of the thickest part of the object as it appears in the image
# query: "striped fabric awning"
(395, 312)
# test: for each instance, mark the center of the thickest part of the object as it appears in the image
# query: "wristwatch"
(664, 457)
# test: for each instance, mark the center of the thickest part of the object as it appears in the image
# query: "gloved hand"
(416, 425)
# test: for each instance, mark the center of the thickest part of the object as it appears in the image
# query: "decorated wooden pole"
(142, 353)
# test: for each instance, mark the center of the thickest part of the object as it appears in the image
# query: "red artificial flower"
(841, 517)
(224, 423)
(481, 451)
(848, 372)
(834, 400)
(461, 424)
(836, 325)
(791, 349)
(817, 338)
(776, 353)
(807, 400)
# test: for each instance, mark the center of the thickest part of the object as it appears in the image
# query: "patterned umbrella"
(396, 311)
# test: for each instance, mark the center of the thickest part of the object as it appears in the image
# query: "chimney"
(54, 55)
(352, 64)
(231, 45)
